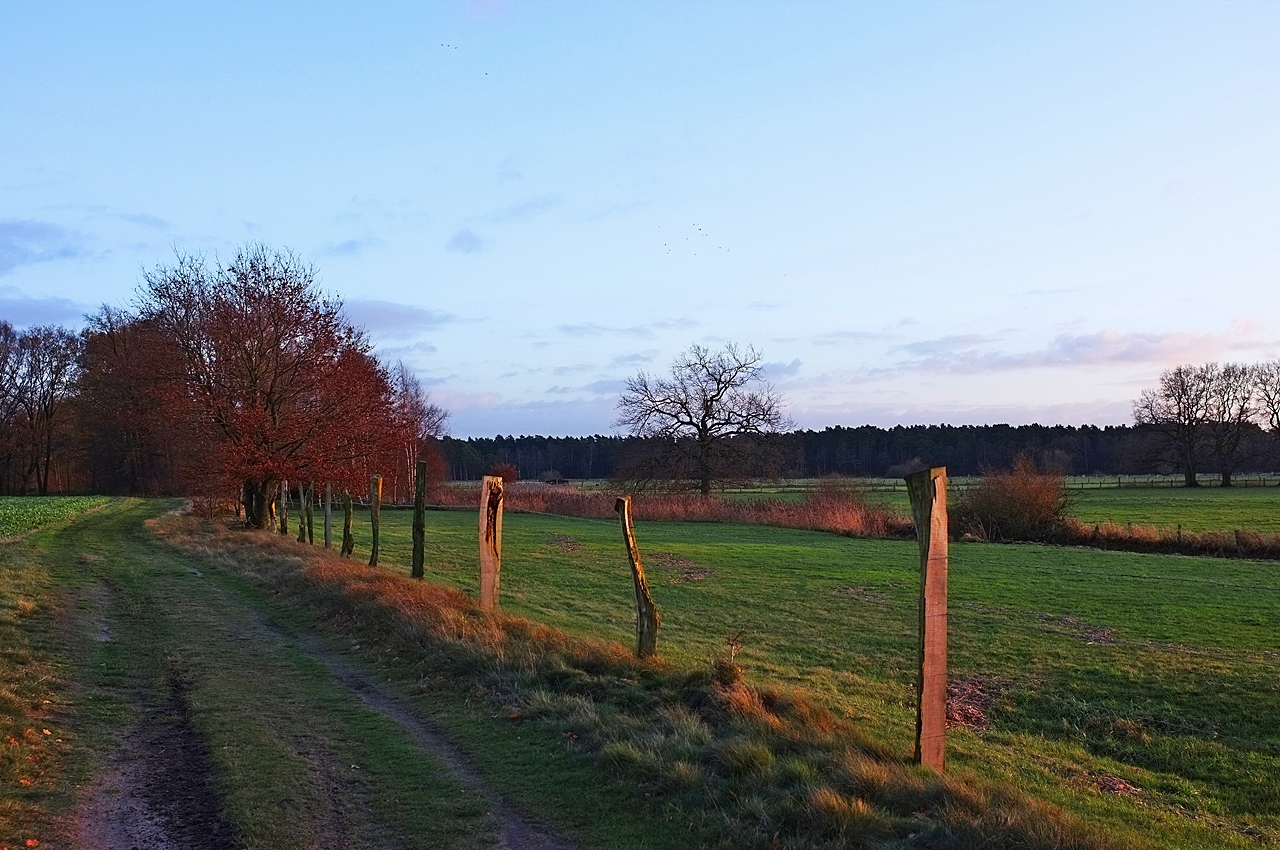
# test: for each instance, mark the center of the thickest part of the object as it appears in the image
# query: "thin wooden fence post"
(302, 512)
(348, 539)
(309, 514)
(375, 515)
(647, 619)
(490, 540)
(928, 491)
(328, 514)
(419, 519)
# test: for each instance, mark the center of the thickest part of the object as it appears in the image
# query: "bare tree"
(703, 417)
(1232, 407)
(50, 359)
(1176, 414)
(1267, 384)
(420, 420)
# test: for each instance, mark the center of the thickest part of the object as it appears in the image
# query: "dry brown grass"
(834, 506)
(763, 765)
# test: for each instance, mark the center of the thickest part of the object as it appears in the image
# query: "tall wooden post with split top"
(928, 491)
(490, 540)
(419, 519)
(375, 515)
(646, 612)
(348, 539)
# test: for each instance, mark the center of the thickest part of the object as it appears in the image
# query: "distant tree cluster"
(39, 368)
(1214, 417)
(224, 378)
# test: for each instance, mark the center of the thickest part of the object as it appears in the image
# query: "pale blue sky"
(920, 212)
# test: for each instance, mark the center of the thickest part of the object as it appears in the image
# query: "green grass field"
(1104, 670)
(20, 514)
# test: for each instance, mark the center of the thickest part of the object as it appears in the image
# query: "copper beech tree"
(275, 379)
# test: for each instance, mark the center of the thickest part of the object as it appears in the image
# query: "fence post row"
(419, 519)
(647, 620)
(375, 515)
(928, 491)
(490, 540)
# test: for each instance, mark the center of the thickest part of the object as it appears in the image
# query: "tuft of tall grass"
(757, 763)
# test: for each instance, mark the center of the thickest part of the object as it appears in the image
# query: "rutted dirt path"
(515, 830)
(158, 788)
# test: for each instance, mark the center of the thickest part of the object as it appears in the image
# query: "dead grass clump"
(755, 764)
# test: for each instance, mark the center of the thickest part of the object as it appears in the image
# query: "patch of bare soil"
(564, 542)
(862, 594)
(157, 791)
(969, 702)
(686, 570)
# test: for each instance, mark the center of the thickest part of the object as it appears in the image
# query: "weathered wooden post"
(328, 514)
(302, 512)
(308, 513)
(928, 491)
(490, 540)
(647, 620)
(348, 539)
(284, 507)
(419, 519)
(375, 515)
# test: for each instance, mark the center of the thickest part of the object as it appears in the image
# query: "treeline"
(871, 451)
(225, 382)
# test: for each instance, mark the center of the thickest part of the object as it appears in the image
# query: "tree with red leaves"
(280, 383)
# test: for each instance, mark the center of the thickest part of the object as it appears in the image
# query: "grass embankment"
(1136, 691)
(20, 514)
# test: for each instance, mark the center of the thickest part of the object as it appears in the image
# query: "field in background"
(1132, 689)
(20, 514)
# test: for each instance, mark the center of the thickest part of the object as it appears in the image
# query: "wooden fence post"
(928, 490)
(490, 540)
(375, 514)
(647, 620)
(419, 519)
(348, 539)
(328, 514)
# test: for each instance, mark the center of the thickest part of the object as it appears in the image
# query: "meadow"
(1133, 690)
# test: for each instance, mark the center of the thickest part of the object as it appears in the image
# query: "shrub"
(1018, 504)
(508, 472)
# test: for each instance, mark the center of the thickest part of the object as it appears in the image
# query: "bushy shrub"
(1022, 503)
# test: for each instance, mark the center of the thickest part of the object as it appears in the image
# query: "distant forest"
(866, 451)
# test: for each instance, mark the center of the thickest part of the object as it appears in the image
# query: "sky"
(917, 212)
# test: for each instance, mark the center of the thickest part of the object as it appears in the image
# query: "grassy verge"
(1134, 690)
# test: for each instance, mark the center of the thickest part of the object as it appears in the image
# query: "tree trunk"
(348, 539)
(375, 515)
(1189, 478)
(1226, 478)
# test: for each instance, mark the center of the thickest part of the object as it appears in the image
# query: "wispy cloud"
(465, 241)
(781, 370)
(524, 209)
(23, 242)
(634, 359)
(845, 337)
(21, 310)
(389, 318)
(350, 247)
(154, 222)
(648, 330)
